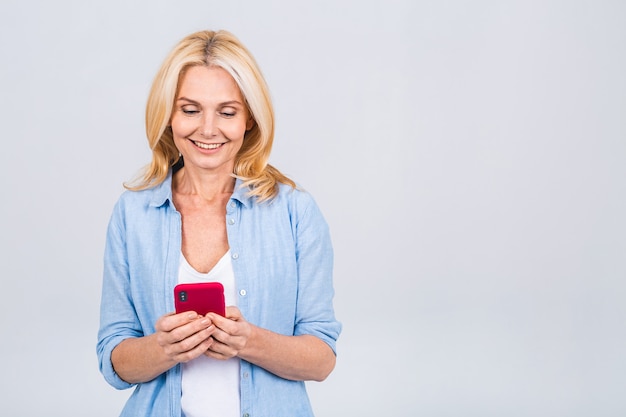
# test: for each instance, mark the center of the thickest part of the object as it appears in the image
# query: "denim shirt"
(282, 260)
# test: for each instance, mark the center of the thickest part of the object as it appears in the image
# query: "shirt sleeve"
(118, 318)
(314, 255)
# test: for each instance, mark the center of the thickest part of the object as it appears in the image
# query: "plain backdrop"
(469, 156)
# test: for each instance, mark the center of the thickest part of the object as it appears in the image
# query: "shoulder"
(156, 196)
(294, 202)
(300, 204)
(296, 198)
(140, 206)
(129, 200)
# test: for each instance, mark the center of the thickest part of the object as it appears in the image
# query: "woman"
(210, 208)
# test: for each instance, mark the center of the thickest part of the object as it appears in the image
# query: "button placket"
(230, 221)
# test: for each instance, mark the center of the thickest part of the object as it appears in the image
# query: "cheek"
(235, 131)
(182, 128)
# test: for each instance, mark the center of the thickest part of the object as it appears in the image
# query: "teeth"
(207, 145)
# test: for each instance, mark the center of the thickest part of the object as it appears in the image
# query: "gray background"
(469, 157)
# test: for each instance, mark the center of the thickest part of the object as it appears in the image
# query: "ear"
(250, 123)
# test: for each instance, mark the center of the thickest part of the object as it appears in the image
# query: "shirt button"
(231, 221)
(246, 415)
(232, 204)
(242, 293)
(245, 374)
(235, 256)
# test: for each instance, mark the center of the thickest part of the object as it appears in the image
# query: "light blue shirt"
(282, 260)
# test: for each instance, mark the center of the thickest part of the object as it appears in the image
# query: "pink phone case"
(201, 297)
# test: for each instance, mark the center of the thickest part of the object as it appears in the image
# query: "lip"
(207, 147)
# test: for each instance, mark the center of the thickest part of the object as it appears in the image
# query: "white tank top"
(210, 387)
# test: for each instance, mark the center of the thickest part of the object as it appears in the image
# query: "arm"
(308, 353)
(304, 357)
(133, 349)
(178, 338)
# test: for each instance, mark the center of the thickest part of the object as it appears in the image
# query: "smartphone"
(201, 297)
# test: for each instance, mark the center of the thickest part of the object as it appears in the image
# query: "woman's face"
(209, 119)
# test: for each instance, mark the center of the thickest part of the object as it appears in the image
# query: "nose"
(208, 127)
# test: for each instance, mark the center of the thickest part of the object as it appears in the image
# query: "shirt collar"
(162, 193)
(241, 194)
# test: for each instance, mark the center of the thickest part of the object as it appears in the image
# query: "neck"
(208, 186)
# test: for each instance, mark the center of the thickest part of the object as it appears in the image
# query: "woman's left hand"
(299, 358)
(230, 336)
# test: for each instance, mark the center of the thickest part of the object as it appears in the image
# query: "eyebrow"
(225, 103)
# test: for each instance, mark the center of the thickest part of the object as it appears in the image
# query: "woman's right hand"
(178, 338)
(184, 336)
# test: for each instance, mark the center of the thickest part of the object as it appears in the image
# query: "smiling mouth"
(207, 145)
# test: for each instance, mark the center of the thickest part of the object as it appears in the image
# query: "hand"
(230, 335)
(184, 336)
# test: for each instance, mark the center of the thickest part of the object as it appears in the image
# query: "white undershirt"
(210, 387)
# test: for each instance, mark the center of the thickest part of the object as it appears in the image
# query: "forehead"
(201, 83)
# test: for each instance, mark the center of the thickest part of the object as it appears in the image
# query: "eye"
(228, 112)
(190, 110)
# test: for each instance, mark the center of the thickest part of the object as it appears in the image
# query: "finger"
(220, 351)
(233, 313)
(209, 353)
(189, 343)
(198, 350)
(221, 336)
(230, 323)
(190, 329)
(193, 341)
(180, 333)
(219, 321)
(170, 321)
(229, 344)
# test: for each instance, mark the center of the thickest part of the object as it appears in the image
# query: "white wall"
(470, 158)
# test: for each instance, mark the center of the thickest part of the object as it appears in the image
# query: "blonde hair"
(224, 50)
